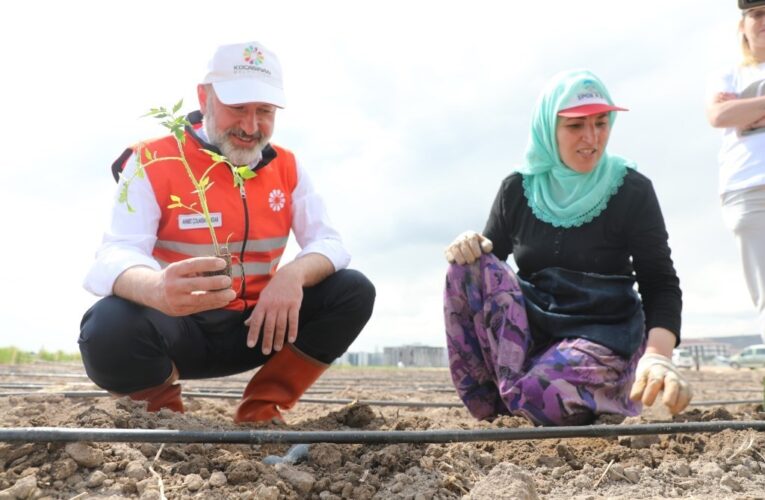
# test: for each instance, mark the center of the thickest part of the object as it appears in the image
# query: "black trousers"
(127, 347)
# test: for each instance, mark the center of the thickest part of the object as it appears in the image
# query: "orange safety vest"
(255, 221)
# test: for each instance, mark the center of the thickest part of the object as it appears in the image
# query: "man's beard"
(235, 154)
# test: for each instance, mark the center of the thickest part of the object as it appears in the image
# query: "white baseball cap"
(246, 72)
(585, 100)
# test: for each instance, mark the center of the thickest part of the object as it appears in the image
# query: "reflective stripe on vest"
(196, 250)
(250, 268)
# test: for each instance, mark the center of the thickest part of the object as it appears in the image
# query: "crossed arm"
(727, 110)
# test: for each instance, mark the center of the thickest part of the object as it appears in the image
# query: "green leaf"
(179, 135)
(177, 106)
(245, 172)
(123, 194)
(218, 158)
(147, 153)
(204, 181)
(140, 172)
(175, 198)
(130, 209)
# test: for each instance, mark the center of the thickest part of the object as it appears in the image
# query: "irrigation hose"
(370, 402)
(62, 434)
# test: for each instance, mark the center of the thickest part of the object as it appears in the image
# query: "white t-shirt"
(742, 156)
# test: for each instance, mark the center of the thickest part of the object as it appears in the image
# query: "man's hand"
(178, 290)
(656, 373)
(467, 248)
(183, 289)
(277, 311)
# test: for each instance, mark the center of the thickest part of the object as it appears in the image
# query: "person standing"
(736, 104)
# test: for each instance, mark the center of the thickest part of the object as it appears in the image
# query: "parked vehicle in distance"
(752, 357)
(720, 360)
(682, 358)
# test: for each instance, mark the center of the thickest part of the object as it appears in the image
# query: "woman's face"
(581, 141)
(753, 27)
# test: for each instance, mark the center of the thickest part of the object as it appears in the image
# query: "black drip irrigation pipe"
(43, 375)
(42, 385)
(218, 395)
(317, 389)
(370, 402)
(722, 402)
(63, 434)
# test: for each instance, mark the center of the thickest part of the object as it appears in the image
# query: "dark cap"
(750, 4)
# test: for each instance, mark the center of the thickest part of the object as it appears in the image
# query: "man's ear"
(202, 96)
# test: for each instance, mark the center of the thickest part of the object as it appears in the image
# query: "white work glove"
(656, 373)
(467, 248)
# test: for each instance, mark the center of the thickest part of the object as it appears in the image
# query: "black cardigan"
(628, 238)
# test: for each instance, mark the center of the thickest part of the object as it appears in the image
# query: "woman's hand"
(656, 372)
(467, 248)
(724, 96)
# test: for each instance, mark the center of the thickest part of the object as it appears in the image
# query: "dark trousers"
(127, 347)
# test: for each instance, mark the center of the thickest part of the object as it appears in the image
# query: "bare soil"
(728, 464)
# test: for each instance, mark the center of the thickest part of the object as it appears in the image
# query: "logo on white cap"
(587, 94)
(248, 72)
(253, 55)
(254, 60)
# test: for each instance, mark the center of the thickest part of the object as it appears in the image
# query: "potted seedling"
(176, 123)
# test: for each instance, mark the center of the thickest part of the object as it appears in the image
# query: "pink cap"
(595, 108)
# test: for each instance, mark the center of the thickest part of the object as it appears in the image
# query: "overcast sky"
(406, 114)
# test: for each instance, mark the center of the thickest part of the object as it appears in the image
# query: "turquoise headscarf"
(557, 194)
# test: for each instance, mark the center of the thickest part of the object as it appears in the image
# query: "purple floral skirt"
(497, 369)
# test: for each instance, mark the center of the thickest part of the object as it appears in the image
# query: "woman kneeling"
(568, 338)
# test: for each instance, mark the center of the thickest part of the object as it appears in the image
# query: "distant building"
(415, 355)
(719, 346)
(402, 356)
(706, 349)
(360, 359)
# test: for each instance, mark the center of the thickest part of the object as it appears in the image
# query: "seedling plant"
(176, 123)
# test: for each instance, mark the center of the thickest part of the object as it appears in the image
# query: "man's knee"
(353, 293)
(106, 322)
(112, 340)
(364, 292)
(339, 306)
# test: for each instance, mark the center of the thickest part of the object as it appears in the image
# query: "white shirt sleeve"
(720, 81)
(311, 225)
(131, 236)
